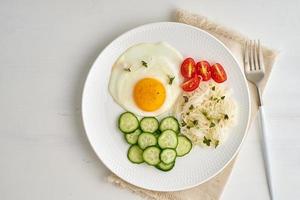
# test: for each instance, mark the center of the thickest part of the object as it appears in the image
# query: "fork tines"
(253, 57)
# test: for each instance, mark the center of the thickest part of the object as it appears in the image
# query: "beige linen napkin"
(212, 189)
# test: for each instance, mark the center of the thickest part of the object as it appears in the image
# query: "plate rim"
(183, 25)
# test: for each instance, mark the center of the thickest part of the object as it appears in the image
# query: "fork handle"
(265, 151)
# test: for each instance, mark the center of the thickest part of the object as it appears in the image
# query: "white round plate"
(100, 112)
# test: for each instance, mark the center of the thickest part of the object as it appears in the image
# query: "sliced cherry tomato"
(203, 69)
(188, 68)
(218, 73)
(191, 84)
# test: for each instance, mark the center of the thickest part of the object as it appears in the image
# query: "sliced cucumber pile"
(155, 143)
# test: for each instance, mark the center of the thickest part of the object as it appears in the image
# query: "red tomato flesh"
(191, 84)
(218, 73)
(188, 68)
(203, 69)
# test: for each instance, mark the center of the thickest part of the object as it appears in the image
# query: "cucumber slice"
(128, 122)
(168, 156)
(169, 123)
(165, 167)
(151, 155)
(168, 139)
(135, 154)
(184, 146)
(132, 138)
(146, 139)
(149, 124)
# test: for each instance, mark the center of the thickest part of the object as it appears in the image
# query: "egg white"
(162, 60)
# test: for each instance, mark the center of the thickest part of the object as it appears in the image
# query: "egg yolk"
(149, 94)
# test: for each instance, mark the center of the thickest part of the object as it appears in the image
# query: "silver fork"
(255, 72)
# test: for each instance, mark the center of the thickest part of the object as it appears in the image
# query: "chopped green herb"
(212, 125)
(226, 116)
(186, 99)
(206, 115)
(187, 113)
(195, 122)
(213, 88)
(188, 127)
(144, 64)
(127, 69)
(183, 123)
(191, 107)
(211, 98)
(222, 97)
(206, 141)
(215, 98)
(217, 143)
(171, 79)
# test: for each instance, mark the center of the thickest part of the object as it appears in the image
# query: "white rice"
(206, 112)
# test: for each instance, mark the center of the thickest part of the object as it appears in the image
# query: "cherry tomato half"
(188, 68)
(191, 84)
(203, 69)
(218, 73)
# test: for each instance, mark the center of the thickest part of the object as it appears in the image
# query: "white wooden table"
(46, 50)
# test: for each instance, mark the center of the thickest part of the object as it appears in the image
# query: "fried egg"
(145, 79)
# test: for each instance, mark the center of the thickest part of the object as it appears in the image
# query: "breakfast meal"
(170, 103)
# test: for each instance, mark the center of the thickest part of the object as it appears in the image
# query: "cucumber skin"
(156, 134)
(149, 118)
(130, 159)
(165, 170)
(177, 131)
(120, 119)
(178, 143)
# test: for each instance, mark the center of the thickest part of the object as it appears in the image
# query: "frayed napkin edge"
(202, 22)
